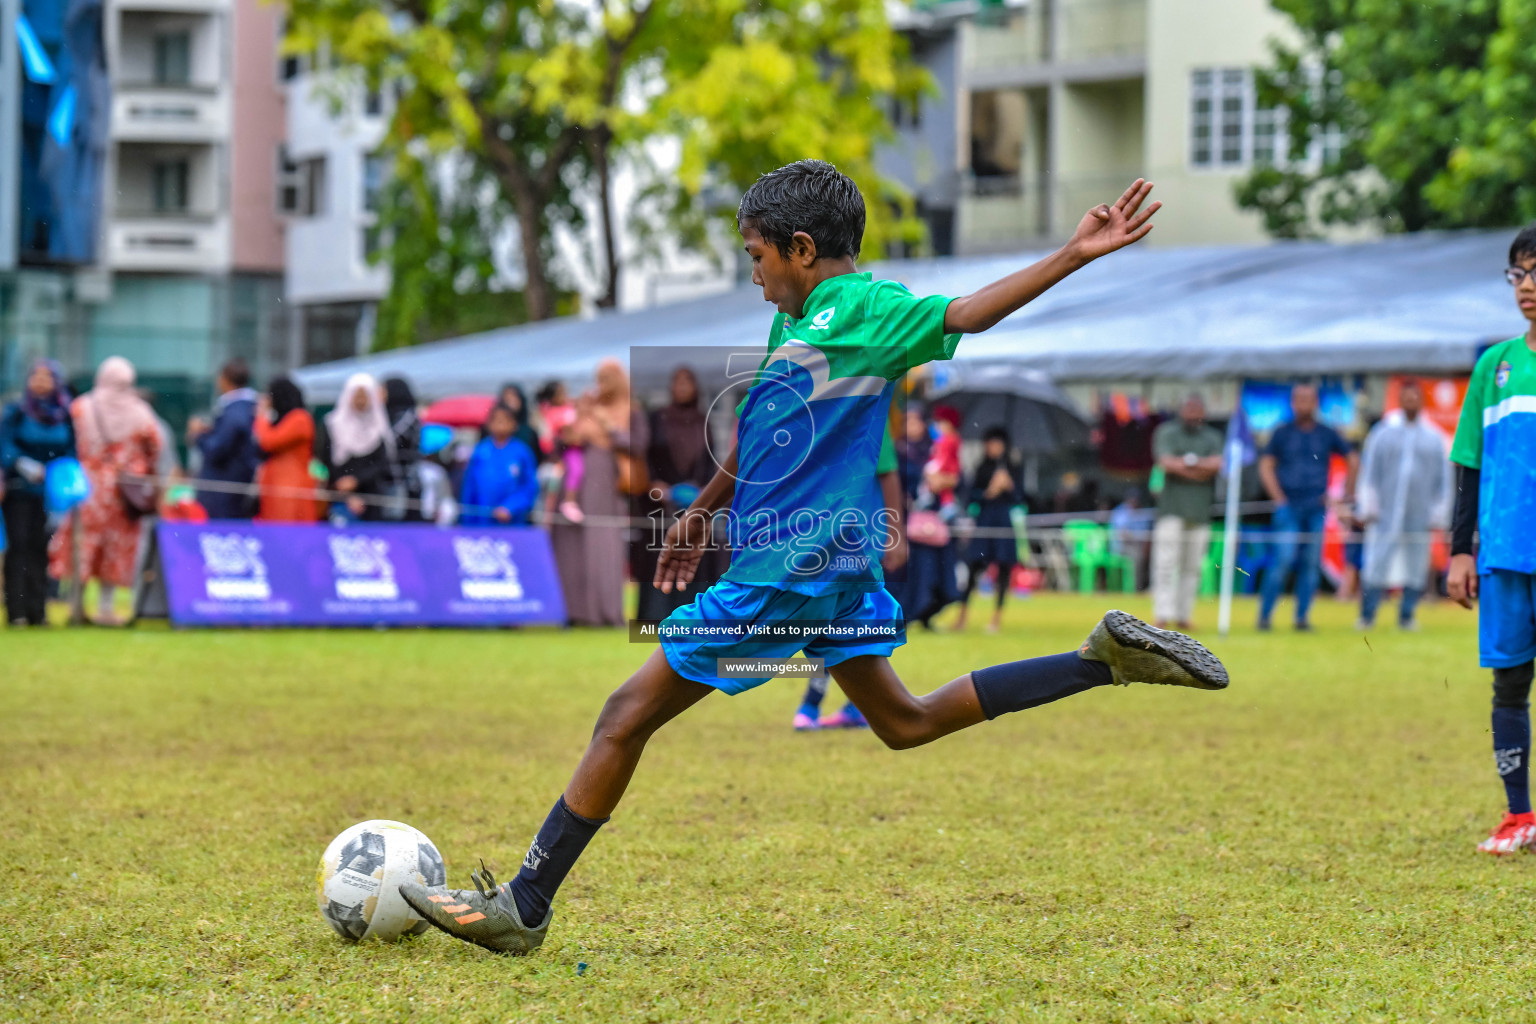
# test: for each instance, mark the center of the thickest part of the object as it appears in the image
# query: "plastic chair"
(1210, 566)
(1088, 544)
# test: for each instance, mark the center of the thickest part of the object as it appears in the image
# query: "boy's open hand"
(681, 553)
(1108, 227)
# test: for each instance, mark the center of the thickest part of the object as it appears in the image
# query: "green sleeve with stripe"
(1467, 449)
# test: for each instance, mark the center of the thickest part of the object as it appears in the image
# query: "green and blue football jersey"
(1497, 435)
(807, 513)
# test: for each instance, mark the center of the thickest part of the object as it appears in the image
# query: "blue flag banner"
(239, 573)
(1239, 431)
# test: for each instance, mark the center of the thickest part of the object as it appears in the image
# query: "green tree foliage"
(1433, 106)
(543, 96)
(438, 225)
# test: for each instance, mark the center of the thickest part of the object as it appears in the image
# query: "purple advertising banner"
(235, 573)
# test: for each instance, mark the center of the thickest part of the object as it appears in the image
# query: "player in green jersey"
(799, 486)
(1496, 500)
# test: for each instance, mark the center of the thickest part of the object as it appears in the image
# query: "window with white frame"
(1227, 128)
(374, 167)
(290, 183)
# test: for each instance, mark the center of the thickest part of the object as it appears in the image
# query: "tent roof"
(1423, 302)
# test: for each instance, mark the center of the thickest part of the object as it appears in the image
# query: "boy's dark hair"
(810, 196)
(498, 409)
(998, 433)
(236, 372)
(1523, 245)
(547, 391)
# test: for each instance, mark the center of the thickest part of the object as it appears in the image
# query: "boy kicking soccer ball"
(799, 489)
(1496, 497)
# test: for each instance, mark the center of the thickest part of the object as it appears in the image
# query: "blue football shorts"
(1506, 618)
(739, 607)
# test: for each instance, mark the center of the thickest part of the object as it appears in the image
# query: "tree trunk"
(537, 290)
(530, 200)
(603, 139)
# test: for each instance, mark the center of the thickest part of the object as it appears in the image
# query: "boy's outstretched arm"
(1102, 230)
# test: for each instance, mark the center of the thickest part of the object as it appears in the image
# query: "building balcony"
(1072, 40)
(174, 242)
(146, 112)
(1003, 213)
(174, 6)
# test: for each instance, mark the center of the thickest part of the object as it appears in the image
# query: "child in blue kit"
(1495, 450)
(799, 500)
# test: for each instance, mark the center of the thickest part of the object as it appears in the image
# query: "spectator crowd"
(591, 465)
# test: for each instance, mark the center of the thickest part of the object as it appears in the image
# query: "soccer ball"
(360, 875)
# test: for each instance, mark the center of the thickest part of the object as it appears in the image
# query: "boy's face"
(995, 448)
(1525, 291)
(785, 280)
(500, 426)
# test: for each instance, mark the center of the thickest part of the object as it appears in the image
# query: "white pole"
(1229, 540)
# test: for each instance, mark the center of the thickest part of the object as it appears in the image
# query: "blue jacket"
(230, 455)
(21, 435)
(499, 476)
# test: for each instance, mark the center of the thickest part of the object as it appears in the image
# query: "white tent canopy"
(1422, 303)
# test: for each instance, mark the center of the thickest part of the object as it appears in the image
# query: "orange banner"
(1442, 399)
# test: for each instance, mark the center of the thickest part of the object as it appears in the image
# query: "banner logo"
(486, 569)
(233, 567)
(362, 567)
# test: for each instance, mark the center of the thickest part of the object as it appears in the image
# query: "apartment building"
(329, 190)
(178, 263)
(1046, 107)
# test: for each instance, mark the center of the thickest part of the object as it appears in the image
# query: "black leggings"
(26, 563)
(1004, 570)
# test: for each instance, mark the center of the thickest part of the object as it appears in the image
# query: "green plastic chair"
(1210, 567)
(1088, 544)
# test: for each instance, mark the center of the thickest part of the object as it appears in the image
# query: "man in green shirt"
(1188, 451)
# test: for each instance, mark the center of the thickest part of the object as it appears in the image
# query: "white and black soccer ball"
(360, 875)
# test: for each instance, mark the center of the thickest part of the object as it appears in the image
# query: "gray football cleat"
(487, 917)
(1138, 653)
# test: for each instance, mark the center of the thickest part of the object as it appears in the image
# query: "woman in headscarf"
(679, 464)
(33, 432)
(359, 447)
(513, 398)
(285, 433)
(405, 427)
(115, 435)
(591, 557)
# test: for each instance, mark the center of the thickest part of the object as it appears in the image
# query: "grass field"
(1298, 847)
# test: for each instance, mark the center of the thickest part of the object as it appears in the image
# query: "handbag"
(634, 475)
(927, 528)
(139, 497)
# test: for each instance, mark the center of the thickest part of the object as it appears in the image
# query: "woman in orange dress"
(115, 433)
(285, 433)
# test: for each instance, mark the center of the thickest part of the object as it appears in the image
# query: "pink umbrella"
(460, 410)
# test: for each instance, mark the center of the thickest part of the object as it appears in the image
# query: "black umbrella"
(1040, 418)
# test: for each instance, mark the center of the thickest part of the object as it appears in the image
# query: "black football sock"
(1512, 733)
(550, 858)
(1035, 681)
